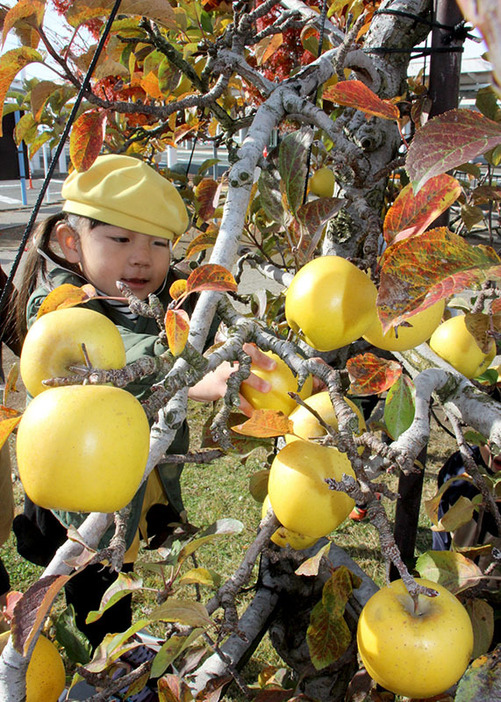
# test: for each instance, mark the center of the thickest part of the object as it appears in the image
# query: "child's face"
(108, 254)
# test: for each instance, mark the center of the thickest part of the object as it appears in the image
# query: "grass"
(221, 489)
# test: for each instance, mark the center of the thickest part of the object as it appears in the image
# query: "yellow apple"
(282, 382)
(453, 342)
(414, 653)
(306, 426)
(423, 324)
(45, 677)
(299, 495)
(83, 448)
(285, 537)
(330, 303)
(322, 182)
(54, 342)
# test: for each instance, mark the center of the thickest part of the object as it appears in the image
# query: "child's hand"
(213, 386)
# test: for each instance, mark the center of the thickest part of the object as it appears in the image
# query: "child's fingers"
(259, 358)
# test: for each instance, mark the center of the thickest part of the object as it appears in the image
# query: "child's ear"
(69, 242)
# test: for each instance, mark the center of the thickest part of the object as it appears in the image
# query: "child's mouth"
(135, 282)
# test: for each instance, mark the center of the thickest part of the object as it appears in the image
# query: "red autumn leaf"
(177, 328)
(354, 93)
(66, 295)
(496, 306)
(371, 375)
(411, 214)
(447, 141)
(207, 193)
(201, 242)
(211, 276)
(313, 216)
(11, 62)
(484, 193)
(9, 419)
(86, 139)
(417, 272)
(264, 424)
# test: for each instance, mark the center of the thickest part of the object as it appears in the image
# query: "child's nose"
(141, 253)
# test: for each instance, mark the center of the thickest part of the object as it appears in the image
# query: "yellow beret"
(126, 192)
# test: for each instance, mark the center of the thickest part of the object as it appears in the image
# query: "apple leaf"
(264, 424)
(32, 609)
(86, 138)
(258, 485)
(311, 566)
(328, 635)
(178, 289)
(115, 645)
(354, 93)
(267, 47)
(10, 382)
(271, 197)
(431, 505)
(201, 242)
(479, 325)
(11, 62)
(39, 95)
(417, 272)
(172, 689)
(482, 681)
(211, 276)
(122, 586)
(186, 612)
(450, 569)
(66, 295)
(313, 216)
(207, 193)
(9, 419)
(81, 11)
(485, 15)
(75, 643)
(482, 620)
(31, 11)
(483, 194)
(370, 375)
(460, 513)
(177, 328)
(292, 165)
(447, 141)
(171, 650)
(411, 214)
(400, 406)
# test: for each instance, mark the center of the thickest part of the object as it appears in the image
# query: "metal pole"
(20, 158)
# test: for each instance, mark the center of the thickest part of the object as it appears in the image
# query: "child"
(117, 224)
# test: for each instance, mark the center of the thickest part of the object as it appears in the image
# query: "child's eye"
(120, 239)
(161, 242)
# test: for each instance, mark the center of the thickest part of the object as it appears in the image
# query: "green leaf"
(200, 576)
(122, 586)
(75, 643)
(292, 166)
(327, 636)
(271, 196)
(171, 650)
(450, 569)
(400, 406)
(222, 527)
(482, 680)
(482, 620)
(186, 612)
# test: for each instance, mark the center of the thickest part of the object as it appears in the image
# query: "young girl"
(117, 224)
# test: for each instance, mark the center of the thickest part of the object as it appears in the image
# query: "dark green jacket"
(140, 338)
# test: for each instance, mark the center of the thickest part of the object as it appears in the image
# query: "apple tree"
(332, 82)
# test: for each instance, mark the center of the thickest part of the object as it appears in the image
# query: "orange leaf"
(267, 47)
(417, 272)
(151, 86)
(177, 289)
(354, 93)
(11, 62)
(211, 276)
(411, 214)
(31, 11)
(66, 295)
(370, 375)
(86, 139)
(177, 328)
(201, 242)
(264, 424)
(40, 93)
(9, 419)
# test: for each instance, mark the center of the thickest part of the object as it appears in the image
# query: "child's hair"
(41, 251)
